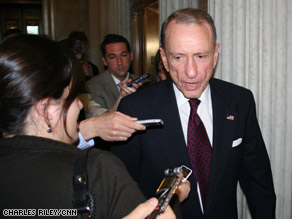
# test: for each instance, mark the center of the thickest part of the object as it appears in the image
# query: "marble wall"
(256, 52)
(63, 16)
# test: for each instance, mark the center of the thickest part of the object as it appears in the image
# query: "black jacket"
(36, 173)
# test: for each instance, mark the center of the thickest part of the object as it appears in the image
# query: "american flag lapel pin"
(230, 117)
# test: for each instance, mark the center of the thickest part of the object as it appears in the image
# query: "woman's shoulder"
(109, 179)
(36, 144)
(103, 158)
(107, 165)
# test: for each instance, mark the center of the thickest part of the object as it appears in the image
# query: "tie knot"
(119, 86)
(194, 103)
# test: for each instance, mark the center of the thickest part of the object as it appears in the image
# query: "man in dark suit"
(190, 52)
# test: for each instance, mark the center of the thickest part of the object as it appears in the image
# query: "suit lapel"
(224, 123)
(111, 86)
(171, 138)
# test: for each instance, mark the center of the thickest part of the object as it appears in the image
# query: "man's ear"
(216, 54)
(164, 59)
(104, 61)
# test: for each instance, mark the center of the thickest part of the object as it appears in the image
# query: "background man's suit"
(147, 154)
(103, 89)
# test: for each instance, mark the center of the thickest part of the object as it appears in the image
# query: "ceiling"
(20, 1)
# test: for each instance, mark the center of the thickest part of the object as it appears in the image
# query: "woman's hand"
(112, 126)
(145, 209)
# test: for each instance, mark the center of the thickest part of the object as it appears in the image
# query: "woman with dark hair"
(159, 73)
(39, 109)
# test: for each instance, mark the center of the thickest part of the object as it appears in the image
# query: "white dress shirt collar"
(205, 97)
(117, 81)
(204, 111)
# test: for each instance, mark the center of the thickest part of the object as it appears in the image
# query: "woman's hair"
(79, 35)
(72, 44)
(156, 67)
(33, 68)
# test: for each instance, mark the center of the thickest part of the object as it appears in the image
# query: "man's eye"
(177, 57)
(202, 57)
(111, 57)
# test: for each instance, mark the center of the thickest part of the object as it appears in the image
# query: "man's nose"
(119, 60)
(191, 68)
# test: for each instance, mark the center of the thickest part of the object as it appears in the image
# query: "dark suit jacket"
(147, 154)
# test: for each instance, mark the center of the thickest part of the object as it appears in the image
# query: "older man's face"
(190, 56)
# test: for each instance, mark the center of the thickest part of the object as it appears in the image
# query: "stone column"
(108, 16)
(48, 8)
(166, 7)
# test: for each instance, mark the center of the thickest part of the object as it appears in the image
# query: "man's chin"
(121, 75)
(192, 94)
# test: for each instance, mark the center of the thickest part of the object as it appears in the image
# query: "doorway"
(23, 15)
(146, 35)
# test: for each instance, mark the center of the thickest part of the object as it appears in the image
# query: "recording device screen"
(186, 172)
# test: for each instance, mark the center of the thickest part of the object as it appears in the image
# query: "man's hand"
(113, 126)
(125, 90)
(183, 189)
(144, 209)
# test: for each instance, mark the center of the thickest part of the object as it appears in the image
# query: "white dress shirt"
(84, 144)
(204, 111)
(118, 82)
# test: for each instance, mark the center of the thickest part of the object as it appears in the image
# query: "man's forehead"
(189, 24)
(119, 46)
(178, 30)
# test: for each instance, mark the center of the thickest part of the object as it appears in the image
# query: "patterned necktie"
(199, 149)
